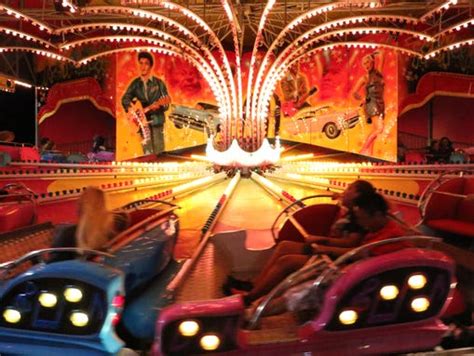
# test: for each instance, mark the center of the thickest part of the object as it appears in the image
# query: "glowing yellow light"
(73, 294)
(417, 281)
(47, 300)
(420, 304)
(389, 292)
(188, 328)
(210, 342)
(348, 317)
(79, 319)
(11, 315)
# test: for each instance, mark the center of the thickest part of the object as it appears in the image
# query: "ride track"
(56, 188)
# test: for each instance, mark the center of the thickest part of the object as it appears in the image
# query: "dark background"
(17, 114)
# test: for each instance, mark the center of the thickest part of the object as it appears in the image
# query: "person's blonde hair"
(96, 224)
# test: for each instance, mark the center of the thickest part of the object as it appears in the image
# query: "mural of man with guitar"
(294, 87)
(146, 101)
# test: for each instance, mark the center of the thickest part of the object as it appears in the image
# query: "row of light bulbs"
(227, 86)
(390, 292)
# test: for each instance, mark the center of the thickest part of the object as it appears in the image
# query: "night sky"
(17, 114)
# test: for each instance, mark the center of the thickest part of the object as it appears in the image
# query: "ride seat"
(315, 219)
(452, 214)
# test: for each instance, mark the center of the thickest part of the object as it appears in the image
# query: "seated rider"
(289, 256)
(371, 212)
(96, 226)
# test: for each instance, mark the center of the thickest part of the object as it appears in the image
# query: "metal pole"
(430, 122)
(36, 118)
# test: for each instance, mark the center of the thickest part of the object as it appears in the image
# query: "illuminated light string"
(215, 87)
(186, 12)
(443, 7)
(37, 51)
(20, 16)
(227, 82)
(171, 6)
(458, 27)
(25, 36)
(226, 103)
(368, 31)
(270, 84)
(260, 82)
(287, 55)
(450, 47)
(190, 51)
(69, 5)
(290, 27)
(148, 14)
(253, 57)
(232, 21)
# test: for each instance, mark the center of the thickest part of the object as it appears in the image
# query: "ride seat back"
(315, 219)
(465, 208)
(444, 206)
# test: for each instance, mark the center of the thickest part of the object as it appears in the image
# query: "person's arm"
(331, 250)
(379, 57)
(351, 240)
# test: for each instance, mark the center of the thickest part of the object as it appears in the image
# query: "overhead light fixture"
(23, 84)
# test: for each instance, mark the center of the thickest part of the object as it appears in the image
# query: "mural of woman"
(373, 104)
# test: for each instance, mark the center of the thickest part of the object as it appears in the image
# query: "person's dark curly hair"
(371, 203)
(146, 55)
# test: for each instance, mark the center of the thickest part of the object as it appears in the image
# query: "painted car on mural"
(327, 119)
(205, 117)
(51, 304)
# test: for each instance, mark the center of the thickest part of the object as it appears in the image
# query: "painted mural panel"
(163, 104)
(344, 99)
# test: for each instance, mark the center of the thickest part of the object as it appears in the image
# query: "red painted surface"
(77, 122)
(451, 97)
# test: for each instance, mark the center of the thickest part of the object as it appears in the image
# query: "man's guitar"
(137, 113)
(290, 108)
(163, 101)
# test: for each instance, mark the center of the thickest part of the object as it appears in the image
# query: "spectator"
(445, 150)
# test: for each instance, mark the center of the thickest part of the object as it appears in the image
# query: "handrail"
(348, 255)
(286, 283)
(435, 184)
(144, 224)
(148, 200)
(298, 202)
(6, 266)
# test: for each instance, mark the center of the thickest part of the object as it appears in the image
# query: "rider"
(372, 213)
(289, 256)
